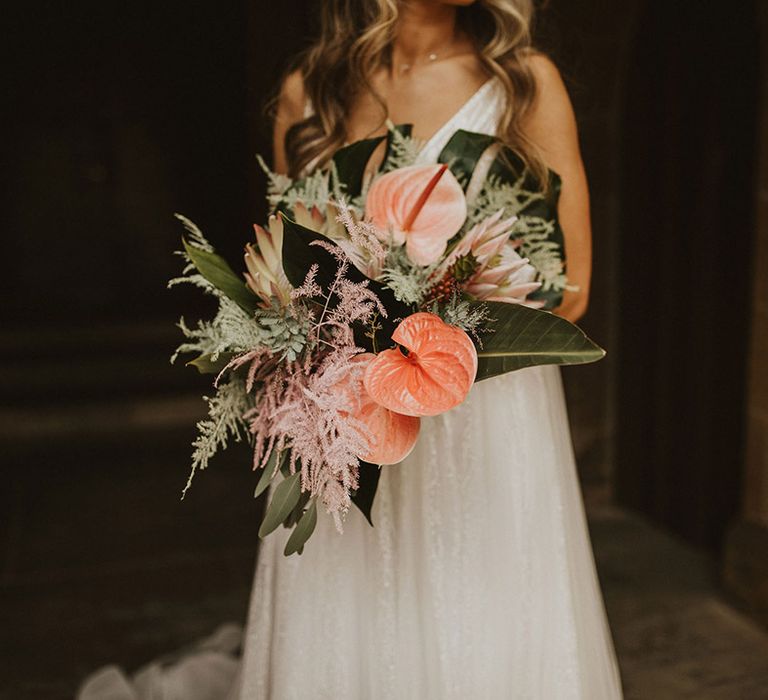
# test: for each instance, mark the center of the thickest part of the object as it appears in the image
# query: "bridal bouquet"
(368, 302)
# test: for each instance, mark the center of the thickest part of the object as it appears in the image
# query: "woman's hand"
(551, 126)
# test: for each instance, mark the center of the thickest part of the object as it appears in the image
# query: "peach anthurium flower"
(391, 435)
(421, 206)
(265, 275)
(435, 375)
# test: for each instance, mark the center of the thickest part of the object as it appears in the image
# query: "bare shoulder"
(544, 70)
(551, 123)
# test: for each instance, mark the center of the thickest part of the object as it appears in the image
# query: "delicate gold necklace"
(431, 58)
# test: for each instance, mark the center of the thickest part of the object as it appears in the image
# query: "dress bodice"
(480, 113)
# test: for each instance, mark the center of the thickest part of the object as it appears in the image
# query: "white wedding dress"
(477, 581)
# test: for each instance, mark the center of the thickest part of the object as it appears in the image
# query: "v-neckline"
(458, 113)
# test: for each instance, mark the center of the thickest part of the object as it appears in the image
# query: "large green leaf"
(350, 163)
(299, 254)
(462, 152)
(284, 499)
(368, 483)
(303, 531)
(525, 337)
(218, 272)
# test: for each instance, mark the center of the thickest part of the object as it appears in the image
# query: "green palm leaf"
(525, 337)
(350, 163)
(463, 151)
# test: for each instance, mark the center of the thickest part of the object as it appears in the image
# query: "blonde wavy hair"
(355, 41)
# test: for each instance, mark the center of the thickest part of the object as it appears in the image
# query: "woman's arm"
(551, 126)
(290, 110)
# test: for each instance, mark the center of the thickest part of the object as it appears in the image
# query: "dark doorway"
(686, 236)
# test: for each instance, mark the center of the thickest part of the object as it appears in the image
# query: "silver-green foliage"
(471, 317)
(545, 255)
(403, 151)
(226, 409)
(189, 274)
(317, 189)
(409, 282)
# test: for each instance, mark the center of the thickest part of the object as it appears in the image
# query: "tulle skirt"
(477, 581)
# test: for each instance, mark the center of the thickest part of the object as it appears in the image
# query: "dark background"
(118, 115)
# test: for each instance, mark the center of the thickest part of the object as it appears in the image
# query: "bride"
(477, 580)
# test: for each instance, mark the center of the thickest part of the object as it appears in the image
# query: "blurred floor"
(675, 636)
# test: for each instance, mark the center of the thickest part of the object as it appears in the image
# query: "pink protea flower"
(421, 206)
(264, 262)
(435, 375)
(485, 263)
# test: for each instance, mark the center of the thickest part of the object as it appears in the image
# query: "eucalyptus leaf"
(350, 163)
(206, 365)
(218, 272)
(303, 530)
(269, 473)
(298, 510)
(368, 483)
(525, 337)
(284, 499)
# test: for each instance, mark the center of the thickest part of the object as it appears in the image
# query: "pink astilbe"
(309, 288)
(325, 440)
(301, 410)
(355, 302)
(298, 406)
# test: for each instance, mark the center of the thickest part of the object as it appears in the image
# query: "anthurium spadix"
(421, 207)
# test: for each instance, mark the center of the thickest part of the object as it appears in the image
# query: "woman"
(477, 581)
(464, 588)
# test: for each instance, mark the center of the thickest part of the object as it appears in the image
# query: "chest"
(427, 100)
